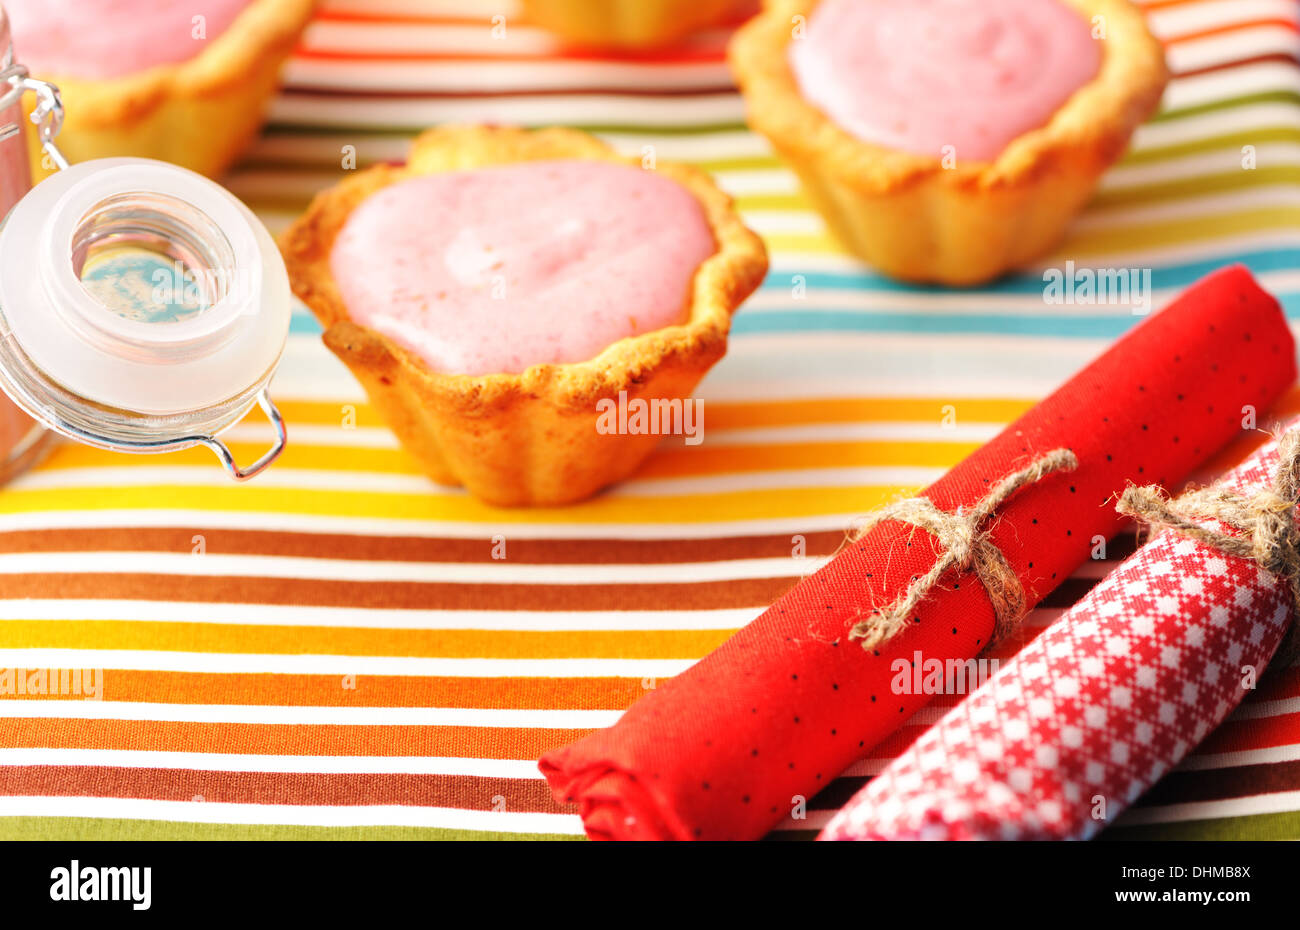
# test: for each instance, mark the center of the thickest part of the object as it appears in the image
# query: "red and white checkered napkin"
(1098, 708)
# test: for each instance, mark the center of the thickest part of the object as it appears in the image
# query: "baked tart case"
(530, 438)
(917, 219)
(201, 113)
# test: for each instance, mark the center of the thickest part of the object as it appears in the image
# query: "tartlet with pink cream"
(948, 140)
(187, 83)
(494, 291)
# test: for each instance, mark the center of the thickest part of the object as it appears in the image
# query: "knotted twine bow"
(1264, 525)
(967, 546)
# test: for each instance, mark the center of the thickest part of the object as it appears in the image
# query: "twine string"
(964, 536)
(1263, 525)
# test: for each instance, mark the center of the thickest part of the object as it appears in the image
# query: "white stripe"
(697, 146)
(1188, 18)
(293, 149)
(1255, 710)
(309, 371)
(253, 663)
(784, 222)
(937, 431)
(256, 762)
(1201, 211)
(813, 820)
(205, 476)
(1200, 249)
(501, 573)
(275, 714)
(748, 182)
(792, 366)
(339, 481)
(311, 434)
(1251, 42)
(865, 476)
(1263, 77)
(399, 815)
(1247, 118)
(1276, 803)
(1223, 760)
(1198, 166)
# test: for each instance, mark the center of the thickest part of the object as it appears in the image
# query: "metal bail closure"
(143, 308)
(240, 474)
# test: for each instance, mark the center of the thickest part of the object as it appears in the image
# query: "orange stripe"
(326, 788)
(286, 739)
(231, 638)
(369, 690)
(1228, 28)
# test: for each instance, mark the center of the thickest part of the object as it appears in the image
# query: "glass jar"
(143, 308)
(22, 440)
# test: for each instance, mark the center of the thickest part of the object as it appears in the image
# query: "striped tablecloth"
(333, 651)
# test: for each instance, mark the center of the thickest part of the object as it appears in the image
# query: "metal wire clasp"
(47, 116)
(228, 460)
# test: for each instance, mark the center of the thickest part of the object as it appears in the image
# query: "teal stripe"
(1043, 325)
(1169, 276)
(807, 317)
(811, 320)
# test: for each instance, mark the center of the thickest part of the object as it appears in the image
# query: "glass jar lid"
(143, 308)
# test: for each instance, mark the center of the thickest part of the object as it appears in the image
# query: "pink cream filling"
(923, 75)
(109, 38)
(500, 268)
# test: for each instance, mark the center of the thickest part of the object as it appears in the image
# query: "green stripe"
(1228, 103)
(1179, 232)
(96, 828)
(331, 162)
(380, 129)
(1233, 140)
(1285, 826)
(1164, 116)
(1184, 189)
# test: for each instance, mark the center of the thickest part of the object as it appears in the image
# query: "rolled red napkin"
(1111, 697)
(737, 741)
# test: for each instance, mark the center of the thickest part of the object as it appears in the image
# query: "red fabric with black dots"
(729, 747)
(1098, 708)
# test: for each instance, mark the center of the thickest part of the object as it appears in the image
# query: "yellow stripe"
(299, 455)
(669, 461)
(1208, 228)
(723, 415)
(686, 508)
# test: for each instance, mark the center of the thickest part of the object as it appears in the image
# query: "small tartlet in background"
(201, 113)
(918, 220)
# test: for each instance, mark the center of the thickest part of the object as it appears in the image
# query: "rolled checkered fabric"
(1099, 707)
